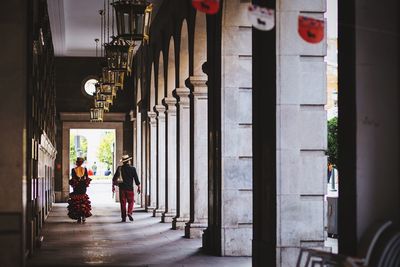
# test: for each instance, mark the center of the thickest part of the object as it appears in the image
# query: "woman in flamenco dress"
(79, 204)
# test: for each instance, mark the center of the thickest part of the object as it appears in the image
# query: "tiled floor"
(104, 241)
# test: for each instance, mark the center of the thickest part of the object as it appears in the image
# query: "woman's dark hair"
(79, 161)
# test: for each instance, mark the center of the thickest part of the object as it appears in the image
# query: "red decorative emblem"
(206, 6)
(311, 30)
(261, 18)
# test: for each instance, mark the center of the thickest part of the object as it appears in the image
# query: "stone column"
(229, 232)
(301, 139)
(133, 120)
(160, 206)
(138, 157)
(199, 213)
(183, 211)
(144, 178)
(171, 161)
(153, 160)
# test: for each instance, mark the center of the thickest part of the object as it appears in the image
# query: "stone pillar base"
(179, 223)
(63, 197)
(195, 230)
(58, 197)
(167, 217)
(150, 209)
(158, 212)
(212, 241)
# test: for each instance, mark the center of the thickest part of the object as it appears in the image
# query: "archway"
(97, 147)
(184, 56)
(171, 71)
(79, 121)
(161, 80)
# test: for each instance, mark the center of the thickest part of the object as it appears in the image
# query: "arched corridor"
(224, 121)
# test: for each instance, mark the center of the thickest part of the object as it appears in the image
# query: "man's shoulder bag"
(119, 176)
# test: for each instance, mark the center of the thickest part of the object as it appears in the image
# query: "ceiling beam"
(57, 24)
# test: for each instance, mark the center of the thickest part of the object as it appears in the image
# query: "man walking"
(123, 178)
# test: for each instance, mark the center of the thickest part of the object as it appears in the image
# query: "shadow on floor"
(104, 241)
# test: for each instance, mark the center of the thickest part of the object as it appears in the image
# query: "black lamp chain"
(104, 26)
(101, 32)
(108, 21)
(112, 19)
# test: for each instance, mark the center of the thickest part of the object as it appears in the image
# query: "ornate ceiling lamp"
(113, 77)
(105, 92)
(133, 19)
(102, 101)
(119, 55)
(96, 115)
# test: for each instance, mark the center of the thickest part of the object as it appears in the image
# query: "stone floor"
(104, 241)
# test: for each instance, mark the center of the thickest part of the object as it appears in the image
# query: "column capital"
(183, 94)
(199, 80)
(152, 117)
(199, 83)
(170, 102)
(160, 109)
(151, 114)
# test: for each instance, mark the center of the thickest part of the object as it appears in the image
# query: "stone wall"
(301, 133)
(13, 77)
(236, 131)
(369, 119)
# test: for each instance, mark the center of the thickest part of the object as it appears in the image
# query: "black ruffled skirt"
(79, 206)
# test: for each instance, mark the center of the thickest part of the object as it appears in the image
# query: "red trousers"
(124, 196)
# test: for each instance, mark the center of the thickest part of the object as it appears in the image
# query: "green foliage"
(73, 154)
(104, 153)
(72, 151)
(84, 147)
(333, 141)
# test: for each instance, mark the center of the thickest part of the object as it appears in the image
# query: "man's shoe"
(130, 217)
(123, 220)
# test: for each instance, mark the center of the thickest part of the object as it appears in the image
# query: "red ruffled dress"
(78, 203)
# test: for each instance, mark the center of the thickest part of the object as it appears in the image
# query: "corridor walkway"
(104, 241)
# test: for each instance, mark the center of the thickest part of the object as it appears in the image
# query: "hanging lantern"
(103, 104)
(96, 114)
(119, 55)
(115, 78)
(108, 89)
(133, 19)
(119, 79)
(102, 101)
(105, 93)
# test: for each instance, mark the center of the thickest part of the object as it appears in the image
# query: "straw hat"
(125, 158)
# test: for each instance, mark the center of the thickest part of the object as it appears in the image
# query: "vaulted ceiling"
(76, 23)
